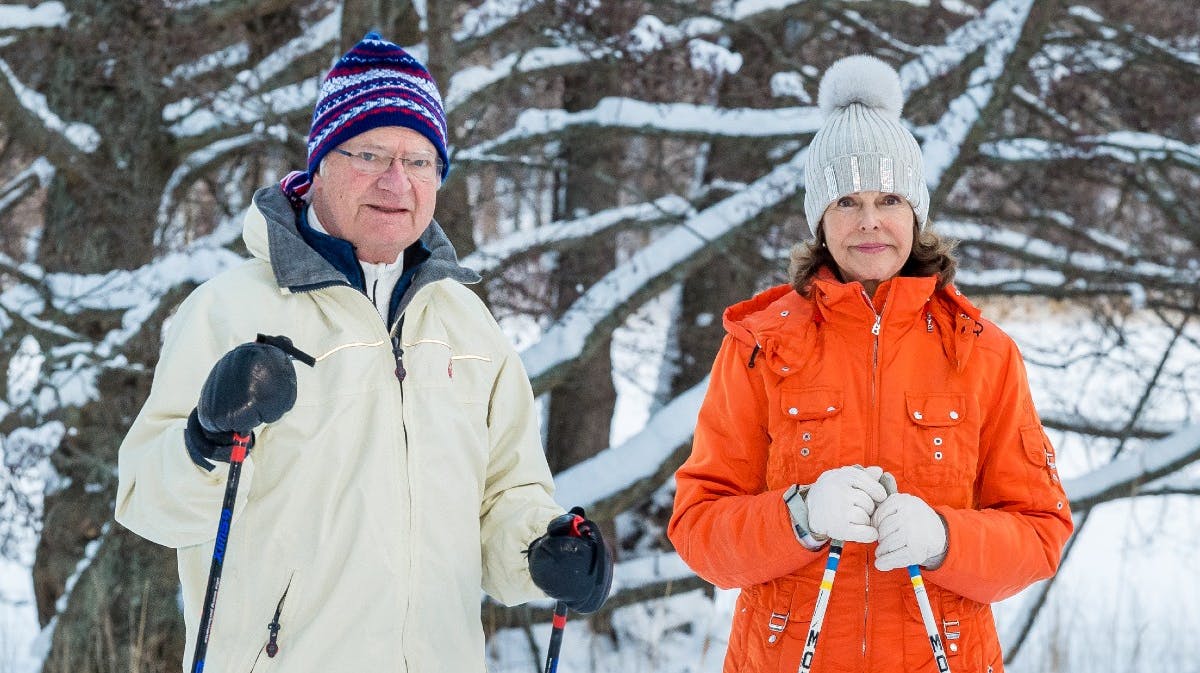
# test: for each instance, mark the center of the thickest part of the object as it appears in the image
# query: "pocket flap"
(936, 410)
(806, 404)
(1032, 441)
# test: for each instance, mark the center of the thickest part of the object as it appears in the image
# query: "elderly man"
(401, 473)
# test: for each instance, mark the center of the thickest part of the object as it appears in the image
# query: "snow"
(676, 118)
(83, 136)
(470, 81)
(713, 58)
(490, 16)
(608, 472)
(24, 368)
(224, 58)
(243, 102)
(1130, 470)
(493, 255)
(790, 84)
(568, 337)
(45, 15)
(942, 143)
(1126, 146)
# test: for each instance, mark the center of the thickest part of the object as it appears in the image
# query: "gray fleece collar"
(299, 268)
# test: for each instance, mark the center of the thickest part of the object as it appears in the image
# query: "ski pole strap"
(285, 344)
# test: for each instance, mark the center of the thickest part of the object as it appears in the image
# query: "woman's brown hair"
(931, 256)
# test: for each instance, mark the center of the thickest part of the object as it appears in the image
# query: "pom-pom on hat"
(376, 84)
(862, 146)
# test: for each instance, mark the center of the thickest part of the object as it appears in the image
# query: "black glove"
(252, 384)
(204, 446)
(571, 563)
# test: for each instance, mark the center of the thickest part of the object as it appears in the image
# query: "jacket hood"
(271, 234)
(781, 324)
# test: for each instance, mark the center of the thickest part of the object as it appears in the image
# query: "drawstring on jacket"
(753, 354)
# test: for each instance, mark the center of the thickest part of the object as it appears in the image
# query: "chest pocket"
(807, 437)
(941, 445)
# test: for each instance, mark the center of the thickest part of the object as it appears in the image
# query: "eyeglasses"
(422, 167)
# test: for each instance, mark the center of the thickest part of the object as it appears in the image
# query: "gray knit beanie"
(862, 146)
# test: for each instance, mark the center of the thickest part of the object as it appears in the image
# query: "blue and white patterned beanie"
(374, 84)
(862, 146)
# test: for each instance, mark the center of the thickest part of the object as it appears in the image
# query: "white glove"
(841, 501)
(910, 532)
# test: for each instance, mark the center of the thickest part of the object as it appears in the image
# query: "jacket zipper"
(272, 646)
(401, 373)
(274, 627)
(876, 328)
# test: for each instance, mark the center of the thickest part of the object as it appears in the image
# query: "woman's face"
(870, 235)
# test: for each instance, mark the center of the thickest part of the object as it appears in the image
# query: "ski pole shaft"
(556, 636)
(931, 630)
(918, 584)
(238, 451)
(818, 618)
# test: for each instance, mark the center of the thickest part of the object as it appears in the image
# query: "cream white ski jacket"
(372, 514)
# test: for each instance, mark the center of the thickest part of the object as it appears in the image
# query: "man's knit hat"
(376, 84)
(862, 146)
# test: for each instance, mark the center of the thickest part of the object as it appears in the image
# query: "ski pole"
(818, 618)
(556, 636)
(573, 524)
(918, 584)
(241, 444)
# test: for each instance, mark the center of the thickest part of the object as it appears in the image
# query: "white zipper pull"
(875, 328)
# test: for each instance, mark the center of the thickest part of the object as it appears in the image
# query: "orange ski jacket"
(915, 381)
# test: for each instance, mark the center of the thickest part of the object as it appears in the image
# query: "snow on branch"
(222, 59)
(678, 119)
(136, 294)
(470, 81)
(675, 252)
(1060, 258)
(82, 136)
(243, 102)
(491, 16)
(937, 61)
(40, 172)
(944, 140)
(1188, 57)
(205, 158)
(45, 15)
(608, 473)
(648, 35)
(1121, 477)
(1128, 147)
(494, 255)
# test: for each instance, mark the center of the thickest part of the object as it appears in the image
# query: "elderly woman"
(869, 372)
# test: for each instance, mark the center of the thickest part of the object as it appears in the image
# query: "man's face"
(381, 214)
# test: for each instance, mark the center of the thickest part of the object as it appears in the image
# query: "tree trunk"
(580, 411)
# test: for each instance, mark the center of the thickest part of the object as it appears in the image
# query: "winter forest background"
(623, 170)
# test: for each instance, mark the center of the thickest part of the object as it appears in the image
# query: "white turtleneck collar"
(380, 278)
